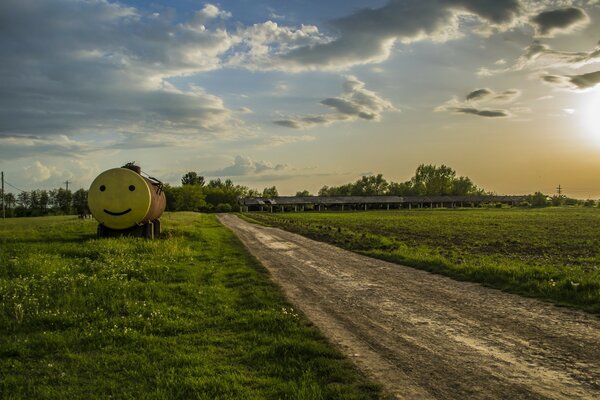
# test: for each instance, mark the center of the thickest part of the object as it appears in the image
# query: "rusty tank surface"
(125, 203)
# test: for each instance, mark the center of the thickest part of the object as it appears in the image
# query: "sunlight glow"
(591, 115)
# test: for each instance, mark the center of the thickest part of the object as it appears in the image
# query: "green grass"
(552, 253)
(191, 315)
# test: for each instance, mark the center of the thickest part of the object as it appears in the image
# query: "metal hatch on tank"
(125, 203)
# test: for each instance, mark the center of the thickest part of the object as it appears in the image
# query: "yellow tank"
(121, 198)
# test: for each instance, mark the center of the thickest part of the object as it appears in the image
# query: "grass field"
(188, 316)
(551, 253)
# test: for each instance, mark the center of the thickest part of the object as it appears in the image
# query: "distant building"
(342, 203)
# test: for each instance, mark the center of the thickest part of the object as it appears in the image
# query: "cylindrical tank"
(121, 198)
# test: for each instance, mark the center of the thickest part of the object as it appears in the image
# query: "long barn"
(342, 203)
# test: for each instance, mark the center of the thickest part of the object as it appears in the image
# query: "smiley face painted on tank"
(119, 198)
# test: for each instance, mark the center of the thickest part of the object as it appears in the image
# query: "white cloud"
(39, 172)
(244, 166)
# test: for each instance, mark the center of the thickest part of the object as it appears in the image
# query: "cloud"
(564, 20)
(481, 113)
(478, 94)
(356, 102)
(38, 172)
(574, 82)
(244, 166)
(73, 67)
(539, 56)
(368, 35)
(477, 103)
(19, 146)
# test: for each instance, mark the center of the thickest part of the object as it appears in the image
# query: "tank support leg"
(156, 225)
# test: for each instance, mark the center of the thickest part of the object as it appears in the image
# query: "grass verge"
(191, 315)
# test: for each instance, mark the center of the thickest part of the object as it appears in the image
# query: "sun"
(591, 115)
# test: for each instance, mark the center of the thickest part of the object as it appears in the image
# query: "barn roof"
(339, 200)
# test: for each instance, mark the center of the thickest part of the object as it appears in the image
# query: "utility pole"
(3, 206)
(559, 190)
(67, 183)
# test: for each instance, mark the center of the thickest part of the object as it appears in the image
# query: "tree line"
(429, 180)
(216, 195)
(37, 203)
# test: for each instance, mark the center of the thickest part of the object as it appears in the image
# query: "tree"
(538, 199)
(10, 200)
(192, 178)
(188, 198)
(62, 200)
(23, 199)
(431, 180)
(463, 186)
(304, 193)
(214, 183)
(370, 186)
(80, 202)
(400, 189)
(270, 192)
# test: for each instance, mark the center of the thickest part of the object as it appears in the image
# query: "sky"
(302, 93)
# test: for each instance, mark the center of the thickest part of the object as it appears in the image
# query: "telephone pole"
(3, 206)
(559, 190)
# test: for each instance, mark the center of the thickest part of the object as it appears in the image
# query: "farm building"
(342, 203)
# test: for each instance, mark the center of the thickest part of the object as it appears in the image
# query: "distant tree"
(558, 200)
(400, 189)
(463, 186)
(589, 203)
(188, 198)
(44, 201)
(10, 200)
(270, 192)
(370, 186)
(62, 200)
(215, 183)
(431, 180)
(538, 199)
(80, 201)
(192, 178)
(304, 193)
(252, 193)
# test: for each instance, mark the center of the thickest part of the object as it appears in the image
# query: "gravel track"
(425, 336)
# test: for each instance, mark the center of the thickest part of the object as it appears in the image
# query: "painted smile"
(116, 214)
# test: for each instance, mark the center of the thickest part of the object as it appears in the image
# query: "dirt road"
(424, 336)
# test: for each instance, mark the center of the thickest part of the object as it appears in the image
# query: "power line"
(14, 187)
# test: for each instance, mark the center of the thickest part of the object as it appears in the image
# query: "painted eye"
(131, 188)
(102, 188)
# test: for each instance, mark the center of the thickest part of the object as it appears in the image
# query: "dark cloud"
(481, 113)
(574, 82)
(477, 103)
(561, 20)
(539, 55)
(478, 94)
(368, 34)
(355, 102)
(585, 81)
